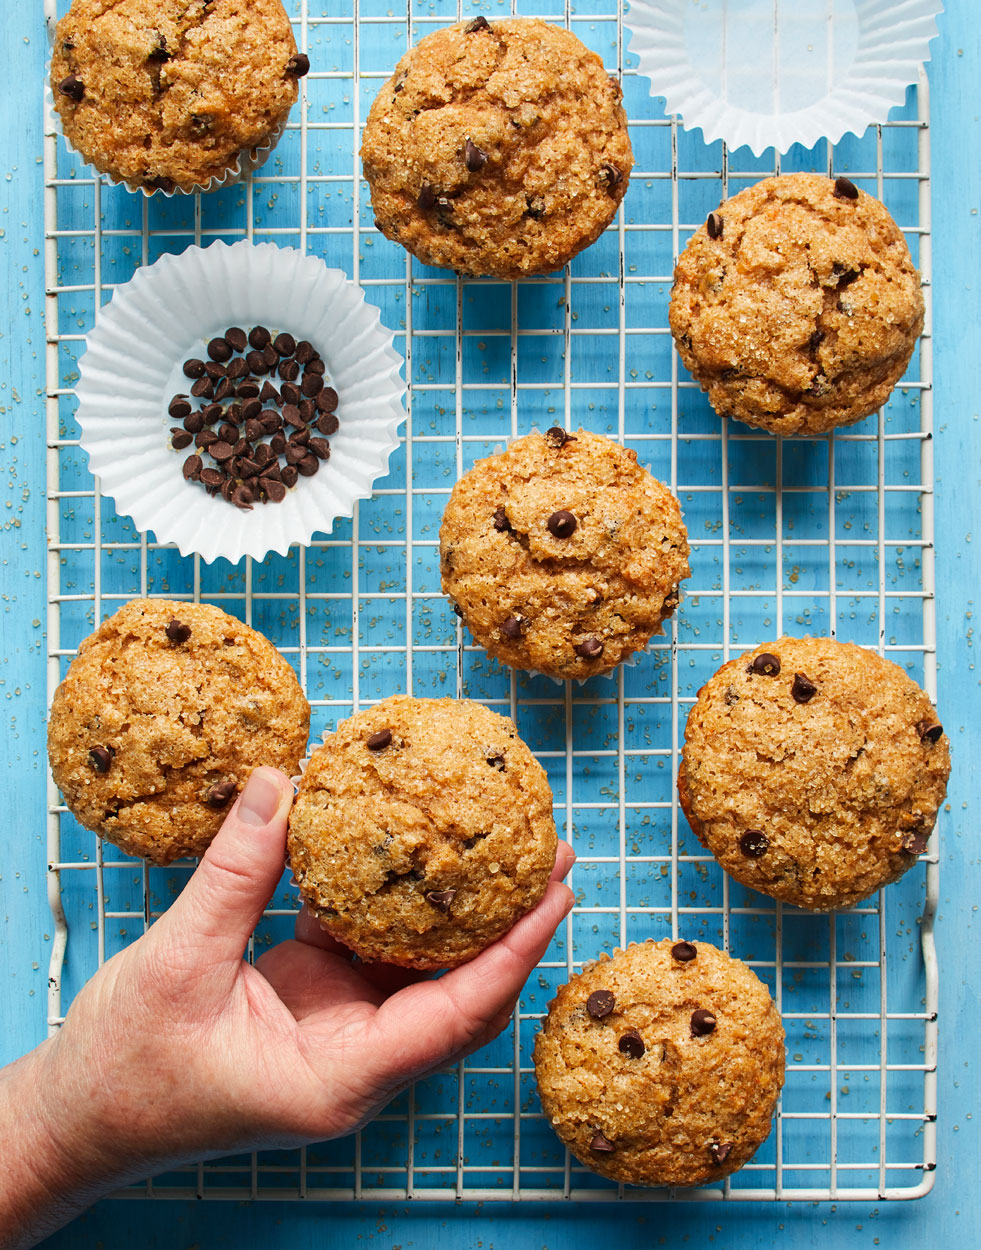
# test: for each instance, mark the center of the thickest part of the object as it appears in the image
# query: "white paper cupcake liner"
(771, 73)
(133, 366)
(247, 161)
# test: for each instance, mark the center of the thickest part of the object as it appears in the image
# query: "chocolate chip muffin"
(813, 771)
(797, 306)
(161, 718)
(422, 831)
(497, 148)
(562, 554)
(662, 1065)
(166, 94)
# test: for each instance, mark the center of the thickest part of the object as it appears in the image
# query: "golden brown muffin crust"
(422, 831)
(814, 796)
(635, 1082)
(173, 89)
(152, 734)
(535, 598)
(799, 310)
(497, 148)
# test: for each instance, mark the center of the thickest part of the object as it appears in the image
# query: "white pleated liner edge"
(893, 43)
(133, 366)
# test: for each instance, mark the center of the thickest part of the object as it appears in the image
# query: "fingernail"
(260, 800)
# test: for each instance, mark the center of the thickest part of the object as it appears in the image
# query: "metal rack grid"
(819, 535)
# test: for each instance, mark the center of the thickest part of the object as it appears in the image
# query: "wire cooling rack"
(826, 535)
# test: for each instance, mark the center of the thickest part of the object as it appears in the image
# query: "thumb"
(221, 904)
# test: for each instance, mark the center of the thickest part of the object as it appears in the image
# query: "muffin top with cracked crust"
(162, 716)
(422, 831)
(813, 770)
(166, 93)
(497, 148)
(662, 1065)
(797, 306)
(562, 554)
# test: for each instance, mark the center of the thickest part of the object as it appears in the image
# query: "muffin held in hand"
(162, 716)
(497, 148)
(813, 771)
(797, 306)
(166, 94)
(562, 554)
(662, 1065)
(422, 831)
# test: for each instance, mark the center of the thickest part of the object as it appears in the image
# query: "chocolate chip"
(257, 363)
(160, 183)
(631, 1043)
(243, 497)
(308, 466)
(684, 952)
(221, 450)
(561, 524)
(228, 433)
(327, 423)
(219, 794)
(611, 175)
(194, 368)
(288, 370)
(192, 468)
(179, 408)
(269, 394)
(929, 731)
(721, 1150)
(275, 491)
(237, 368)
(237, 337)
(73, 87)
(474, 157)
(294, 453)
(478, 23)
(427, 197)
(765, 665)
(327, 399)
(291, 393)
(277, 444)
(845, 189)
(713, 224)
(915, 843)
(290, 476)
(702, 1022)
(441, 899)
(305, 351)
(496, 761)
(212, 477)
(602, 1144)
(754, 843)
(159, 51)
(214, 370)
(259, 337)
(501, 522)
(311, 385)
(206, 438)
(535, 206)
(513, 627)
(557, 438)
(180, 439)
(803, 689)
(316, 365)
(270, 356)
(219, 350)
(816, 339)
(249, 467)
(379, 740)
(101, 758)
(248, 389)
(285, 344)
(589, 649)
(178, 631)
(298, 66)
(203, 388)
(320, 448)
(600, 1003)
(301, 437)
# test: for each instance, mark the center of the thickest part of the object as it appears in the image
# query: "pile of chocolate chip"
(251, 390)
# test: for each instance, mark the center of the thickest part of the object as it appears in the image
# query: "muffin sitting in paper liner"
(175, 95)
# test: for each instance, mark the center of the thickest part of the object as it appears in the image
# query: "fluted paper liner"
(132, 368)
(771, 73)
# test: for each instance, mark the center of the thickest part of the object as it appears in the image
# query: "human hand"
(178, 1049)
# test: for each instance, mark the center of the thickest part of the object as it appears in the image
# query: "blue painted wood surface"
(954, 1208)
